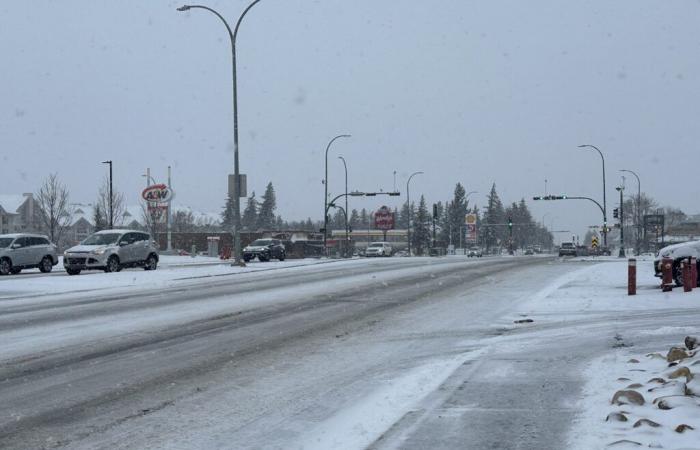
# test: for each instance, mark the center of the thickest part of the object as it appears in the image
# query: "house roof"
(12, 202)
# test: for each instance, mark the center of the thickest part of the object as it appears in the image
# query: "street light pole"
(325, 195)
(638, 216)
(111, 196)
(605, 205)
(347, 235)
(236, 172)
(621, 190)
(408, 202)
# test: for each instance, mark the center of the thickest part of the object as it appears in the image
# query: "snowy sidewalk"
(644, 327)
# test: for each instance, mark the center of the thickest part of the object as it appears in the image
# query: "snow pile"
(650, 400)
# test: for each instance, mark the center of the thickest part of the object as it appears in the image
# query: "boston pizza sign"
(384, 219)
(158, 193)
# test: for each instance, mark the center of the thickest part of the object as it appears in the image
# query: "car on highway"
(567, 249)
(529, 251)
(264, 250)
(26, 251)
(111, 251)
(379, 249)
(677, 252)
(475, 252)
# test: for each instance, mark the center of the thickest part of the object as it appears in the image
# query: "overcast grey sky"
(476, 92)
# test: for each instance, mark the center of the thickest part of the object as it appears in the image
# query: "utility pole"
(111, 196)
(169, 216)
(408, 203)
(621, 190)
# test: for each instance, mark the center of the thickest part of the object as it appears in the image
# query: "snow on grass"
(617, 371)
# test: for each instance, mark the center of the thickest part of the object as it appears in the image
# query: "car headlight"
(100, 251)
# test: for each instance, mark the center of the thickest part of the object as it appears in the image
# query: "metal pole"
(638, 215)
(605, 205)
(111, 199)
(408, 203)
(622, 224)
(347, 231)
(168, 218)
(111, 196)
(236, 172)
(325, 195)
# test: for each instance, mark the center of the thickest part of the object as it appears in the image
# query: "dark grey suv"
(26, 251)
(264, 250)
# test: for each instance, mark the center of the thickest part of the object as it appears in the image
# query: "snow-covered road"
(387, 353)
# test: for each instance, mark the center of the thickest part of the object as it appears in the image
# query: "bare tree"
(153, 218)
(118, 204)
(55, 210)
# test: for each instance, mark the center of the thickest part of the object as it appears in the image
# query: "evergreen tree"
(421, 229)
(99, 218)
(355, 219)
(493, 229)
(227, 215)
(403, 216)
(364, 218)
(249, 221)
(454, 220)
(266, 213)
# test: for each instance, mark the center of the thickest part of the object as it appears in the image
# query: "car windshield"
(102, 239)
(567, 245)
(5, 242)
(261, 242)
(378, 244)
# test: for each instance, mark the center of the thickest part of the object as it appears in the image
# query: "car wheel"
(5, 266)
(113, 264)
(282, 256)
(73, 271)
(264, 257)
(151, 263)
(15, 270)
(46, 265)
(246, 259)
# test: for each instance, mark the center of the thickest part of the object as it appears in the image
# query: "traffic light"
(550, 197)
(616, 213)
(435, 214)
(510, 224)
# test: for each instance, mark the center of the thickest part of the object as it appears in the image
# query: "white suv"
(379, 249)
(26, 251)
(112, 250)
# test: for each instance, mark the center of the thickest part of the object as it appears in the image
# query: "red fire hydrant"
(632, 277)
(667, 274)
(685, 273)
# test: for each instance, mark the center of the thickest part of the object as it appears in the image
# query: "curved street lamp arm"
(328, 147)
(240, 19)
(230, 33)
(589, 199)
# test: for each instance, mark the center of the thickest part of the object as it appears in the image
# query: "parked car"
(379, 249)
(264, 250)
(26, 251)
(475, 252)
(567, 249)
(529, 251)
(677, 252)
(111, 251)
